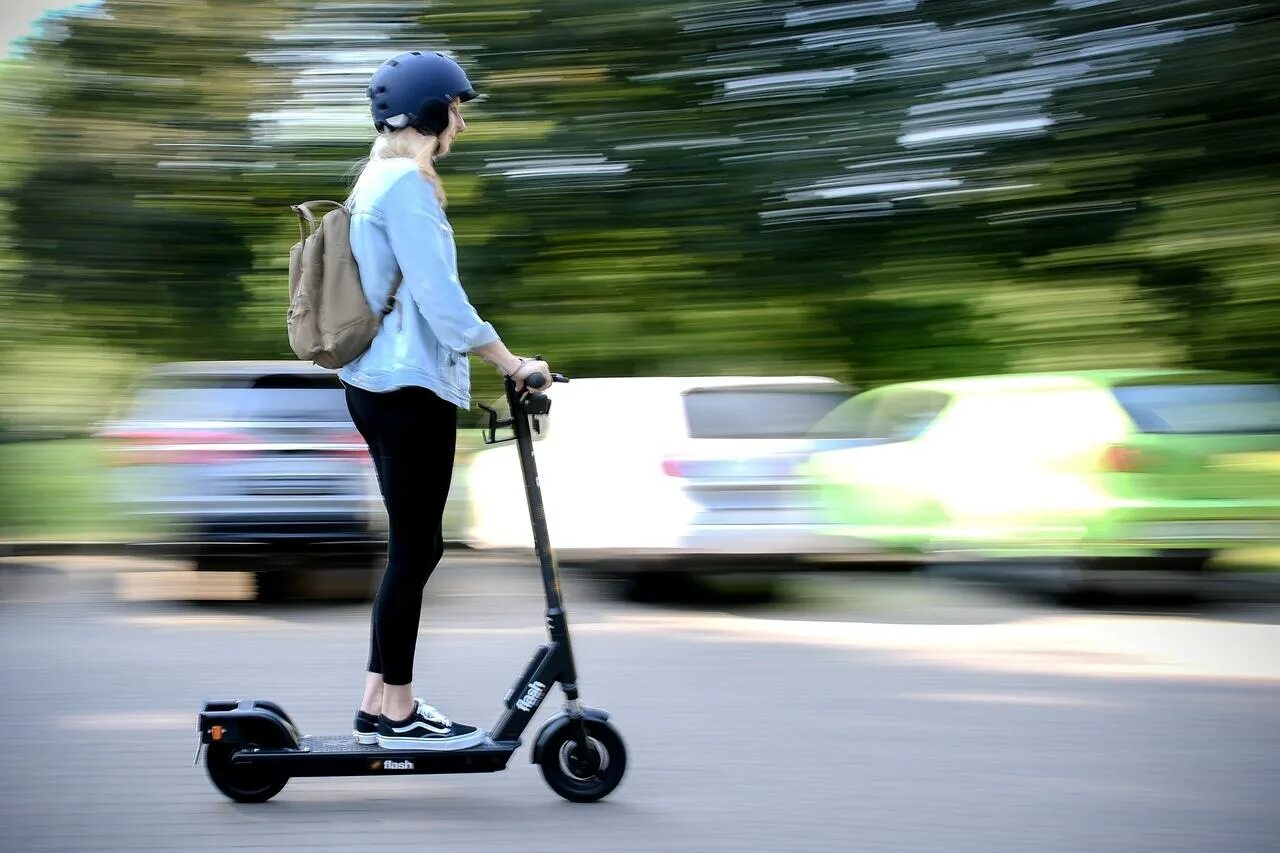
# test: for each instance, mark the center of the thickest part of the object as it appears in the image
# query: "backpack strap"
(307, 216)
(307, 219)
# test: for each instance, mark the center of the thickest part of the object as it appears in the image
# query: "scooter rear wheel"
(238, 783)
(579, 777)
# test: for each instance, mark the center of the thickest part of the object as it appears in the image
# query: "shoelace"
(432, 714)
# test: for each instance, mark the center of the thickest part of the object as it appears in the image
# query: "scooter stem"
(533, 493)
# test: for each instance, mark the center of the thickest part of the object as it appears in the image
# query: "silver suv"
(247, 465)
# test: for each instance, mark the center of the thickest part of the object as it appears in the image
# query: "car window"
(1202, 409)
(760, 412)
(292, 404)
(850, 420)
(186, 404)
(888, 414)
(904, 414)
(241, 397)
(292, 396)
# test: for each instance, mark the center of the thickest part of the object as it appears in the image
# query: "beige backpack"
(329, 319)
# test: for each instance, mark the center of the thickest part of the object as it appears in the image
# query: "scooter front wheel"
(584, 775)
(239, 783)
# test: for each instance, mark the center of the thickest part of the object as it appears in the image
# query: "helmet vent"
(382, 106)
(393, 62)
(380, 90)
(416, 52)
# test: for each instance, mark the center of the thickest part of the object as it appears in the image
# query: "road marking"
(1037, 699)
(206, 621)
(1094, 644)
(121, 721)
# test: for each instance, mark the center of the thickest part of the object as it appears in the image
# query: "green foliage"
(57, 490)
(873, 191)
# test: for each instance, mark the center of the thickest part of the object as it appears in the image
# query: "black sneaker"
(426, 728)
(366, 728)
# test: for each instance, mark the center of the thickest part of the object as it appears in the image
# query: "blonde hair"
(417, 146)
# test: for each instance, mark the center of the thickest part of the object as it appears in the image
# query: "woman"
(404, 392)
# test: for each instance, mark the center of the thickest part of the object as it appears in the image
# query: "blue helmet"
(415, 89)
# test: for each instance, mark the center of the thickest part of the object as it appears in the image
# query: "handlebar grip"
(538, 381)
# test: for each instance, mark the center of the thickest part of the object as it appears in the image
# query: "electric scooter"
(253, 748)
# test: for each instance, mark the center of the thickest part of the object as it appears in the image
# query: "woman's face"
(456, 126)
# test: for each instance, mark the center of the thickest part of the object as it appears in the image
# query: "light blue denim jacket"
(398, 225)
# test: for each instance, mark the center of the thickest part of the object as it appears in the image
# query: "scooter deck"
(340, 755)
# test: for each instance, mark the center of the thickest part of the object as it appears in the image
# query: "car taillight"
(350, 446)
(1121, 459)
(674, 468)
(178, 447)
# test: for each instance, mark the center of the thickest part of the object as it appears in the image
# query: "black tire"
(339, 581)
(1173, 578)
(661, 586)
(276, 586)
(719, 589)
(243, 786)
(582, 784)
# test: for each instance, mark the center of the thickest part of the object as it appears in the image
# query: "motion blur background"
(801, 204)
(872, 191)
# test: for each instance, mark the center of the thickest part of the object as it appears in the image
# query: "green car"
(1090, 464)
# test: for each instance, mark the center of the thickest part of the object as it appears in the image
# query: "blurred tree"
(879, 191)
(133, 172)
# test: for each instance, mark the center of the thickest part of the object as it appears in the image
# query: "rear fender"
(239, 723)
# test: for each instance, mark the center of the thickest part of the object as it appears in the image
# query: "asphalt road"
(861, 714)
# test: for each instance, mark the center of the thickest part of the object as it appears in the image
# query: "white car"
(647, 469)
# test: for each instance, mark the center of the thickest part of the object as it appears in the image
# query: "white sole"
(437, 744)
(366, 739)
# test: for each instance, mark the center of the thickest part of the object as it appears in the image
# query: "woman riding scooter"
(404, 392)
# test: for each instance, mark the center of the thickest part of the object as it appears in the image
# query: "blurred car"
(641, 471)
(247, 465)
(1114, 467)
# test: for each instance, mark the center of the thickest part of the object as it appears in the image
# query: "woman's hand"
(509, 364)
(527, 368)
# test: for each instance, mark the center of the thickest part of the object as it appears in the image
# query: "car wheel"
(1167, 578)
(691, 587)
(321, 579)
(276, 585)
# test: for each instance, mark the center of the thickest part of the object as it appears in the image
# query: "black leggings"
(411, 435)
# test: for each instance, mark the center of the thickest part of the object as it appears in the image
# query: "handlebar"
(527, 401)
(539, 380)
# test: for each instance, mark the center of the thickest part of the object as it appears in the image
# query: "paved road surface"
(863, 716)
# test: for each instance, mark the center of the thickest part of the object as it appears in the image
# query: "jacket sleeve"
(423, 245)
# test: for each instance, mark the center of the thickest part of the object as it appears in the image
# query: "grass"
(56, 491)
